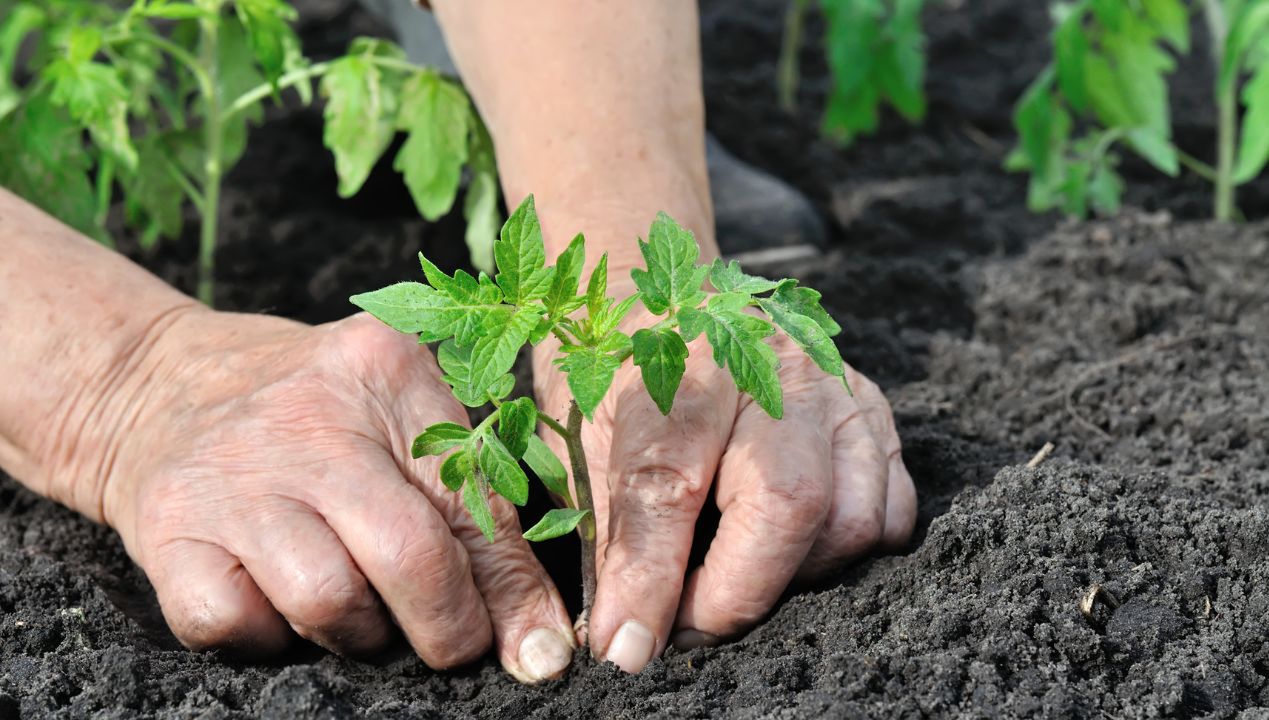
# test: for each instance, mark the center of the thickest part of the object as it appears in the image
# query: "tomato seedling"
(165, 89)
(482, 323)
(876, 54)
(1109, 74)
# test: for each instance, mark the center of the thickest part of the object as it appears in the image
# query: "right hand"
(263, 482)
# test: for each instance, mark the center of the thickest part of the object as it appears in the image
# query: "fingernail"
(544, 654)
(631, 647)
(691, 639)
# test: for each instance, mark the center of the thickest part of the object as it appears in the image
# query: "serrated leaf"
(548, 468)
(597, 288)
(590, 374)
(1172, 20)
(45, 163)
(662, 359)
(555, 523)
(266, 23)
(561, 298)
(1155, 149)
(456, 362)
(476, 499)
(1070, 50)
(502, 471)
(800, 317)
(517, 421)
(520, 255)
(435, 113)
(494, 354)
(1253, 144)
(94, 95)
(458, 468)
(672, 279)
(153, 199)
(407, 307)
(739, 346)
(360, 112)
(439, 438)
(728, 277)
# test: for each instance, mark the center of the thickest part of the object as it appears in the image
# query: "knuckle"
(855, 531)
(659, 489)
(460, 648)
(324, 600)
(204, 624)
(796, 506)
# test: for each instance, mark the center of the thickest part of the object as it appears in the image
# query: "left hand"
(800, 497)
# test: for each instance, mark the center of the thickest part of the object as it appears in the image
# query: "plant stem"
(1196, 166)
(295, 77)
(1227, 112)
(787, 68)
(586, 529)
(554, 424)
(213, 139)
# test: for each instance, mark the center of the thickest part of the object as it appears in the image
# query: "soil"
(1137, 345)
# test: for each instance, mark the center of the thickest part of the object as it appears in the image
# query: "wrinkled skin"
(270, 489)
(800, 497)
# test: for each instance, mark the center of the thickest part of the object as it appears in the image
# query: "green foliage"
(876, 55)
(483, 323)
(158, 86)
(1107, 88)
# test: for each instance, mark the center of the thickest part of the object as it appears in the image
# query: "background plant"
(164, 90)
(482, 323)
(1107, 88)
(876, 56)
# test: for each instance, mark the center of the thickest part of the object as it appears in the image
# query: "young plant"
(876, 54)
(1109, 77)
(482, 323)
(164, 91)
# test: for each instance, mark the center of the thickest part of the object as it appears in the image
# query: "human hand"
(800, 497)
(264, 484)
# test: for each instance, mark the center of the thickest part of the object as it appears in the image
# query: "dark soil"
(1136, 345)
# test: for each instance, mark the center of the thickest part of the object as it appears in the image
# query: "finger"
(531, 627)
(774, 487)
(308, 576)
(211, 602)
(857, 514)
(407, 552)
(900, 505)
(659, 472)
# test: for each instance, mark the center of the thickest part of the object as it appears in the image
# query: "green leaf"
(739, 346)
(1172, 20)
(520, 255)
(672, 279)
(23, 19)
(597, 288)
(236, 74)
(561, 298)
(662, 358)
(266, 23)
(502, 470)
(435, 113)
(548, 468)
(476, 498)
(1155, 149)
(797, 311)
(517, 421)
(407, 307)
(480, 207)
(590, 374)
(360, 111)
(728, 277)
(555, 523)
(93, 94)
(43, 161)
(172, 11)
(438, 438)
(1070, 50)
(494, 354)
(153, 200)
(458, 468)
(1253, 145)
(1105, 188)
(456, 361)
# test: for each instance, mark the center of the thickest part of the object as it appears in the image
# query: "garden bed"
(1139, 346)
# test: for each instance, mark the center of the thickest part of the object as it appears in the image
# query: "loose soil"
(1136, 345)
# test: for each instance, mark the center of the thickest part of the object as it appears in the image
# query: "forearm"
(78, 322)
(596, 109)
